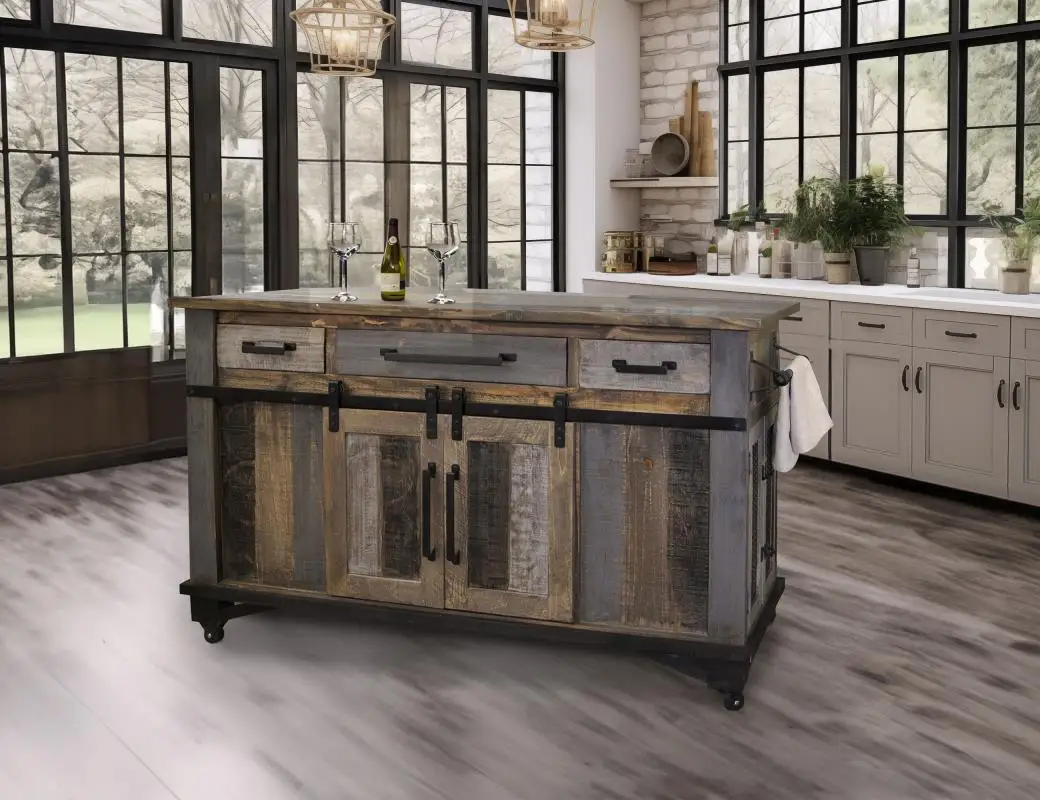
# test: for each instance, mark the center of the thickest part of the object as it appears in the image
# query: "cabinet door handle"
(429, 553)
(878, 325)
(268, 349)
(797, 319)
(451, 478)
(1014, 396)
(917, 380)
(620, 365)
(392, 354)
(906, 375)
(958, 335)
(1000, 392)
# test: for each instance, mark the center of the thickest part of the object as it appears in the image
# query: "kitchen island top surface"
(718, 313)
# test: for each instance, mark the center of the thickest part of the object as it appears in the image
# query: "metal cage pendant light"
(558, 25)
(345, 37)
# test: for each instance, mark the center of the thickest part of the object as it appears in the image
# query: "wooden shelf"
(664, 183)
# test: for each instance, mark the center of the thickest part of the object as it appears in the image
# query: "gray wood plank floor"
(904, 663)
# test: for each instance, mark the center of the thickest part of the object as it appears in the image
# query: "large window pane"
(37, 305)
(505, 265)
(991, 84)
(142, 16)
(456, 109)
(505, 57)
(782, 103)
(437, 35)
(538, 128)
(781, 36)
(92, 91)
(539, 202)
(738, 48)
(878, 21)
(98, 317)
(35, 209)
(318, 115)
(146, 203)
(926, 91)
(243, 21)
(503, 127)
(144, 106)
(985, 13)
(736, 175)
(823, 30)
(504, 210)
(242, 180)
(924, 173)
(991, 169)
(779, 172)
(877, 152)
(877, 95)
(180, 130)
(924, 17)
(1032, 108)
(426, 123)
(821, 157)
(822, 113)
(32, 100)
(16, 9)
(363, 118)
(95, 204)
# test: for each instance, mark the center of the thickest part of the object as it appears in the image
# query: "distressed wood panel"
(562, 528)
(308, 499)
(689, 509)
(308, 355)
(728, 531)
(274, 494)
(692, 374)
(364, 504)
(204, 516)
(399, 472)
(730, 373)
(529, 520)
(237, 459)
(535, 360)
(488, 516)
(603, 502)
(200, 347)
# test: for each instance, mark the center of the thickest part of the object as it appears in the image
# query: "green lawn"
(38, 331)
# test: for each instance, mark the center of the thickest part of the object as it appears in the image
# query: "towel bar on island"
(781, 377)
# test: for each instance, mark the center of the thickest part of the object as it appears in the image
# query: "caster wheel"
(214, 635)
(734, 701)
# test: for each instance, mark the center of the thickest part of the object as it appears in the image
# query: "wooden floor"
(904, 663)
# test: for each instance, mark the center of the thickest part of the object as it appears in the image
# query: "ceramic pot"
(804, 261)
(1017, 281)
(872, 263)
(838, 269)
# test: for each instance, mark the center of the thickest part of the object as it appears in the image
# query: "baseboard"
(154, 451)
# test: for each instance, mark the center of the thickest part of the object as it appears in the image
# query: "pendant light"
(345, 37)
(556, 25)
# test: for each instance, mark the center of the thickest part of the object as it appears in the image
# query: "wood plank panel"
(730, 373)
(399, 471)
(364, 504)
(603, 502)
(307, 353)
(688, 517)
(200, 342)
(529, 520)
(308, 499)
(203, 514)
(562, 529)
(728, 532)
(488, 517)
(274, 494)
(692, 373)
(237, 459)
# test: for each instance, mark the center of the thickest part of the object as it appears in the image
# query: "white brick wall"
(679, 43)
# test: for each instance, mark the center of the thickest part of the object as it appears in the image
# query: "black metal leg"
(212, 615)
(729, 678)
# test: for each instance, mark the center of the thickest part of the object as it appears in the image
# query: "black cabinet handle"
(958, 335)
(622, 366)
(451, 478)
(906, 374)
(797, 319)
(1014, 396)
(917, 380)
(1000, 392)
(429, 553)
(270, 349)
(392, 354)
(879, 325)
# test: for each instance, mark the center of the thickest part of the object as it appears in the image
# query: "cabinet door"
(1024, 460)
(383, 532)
(871, 405)
(509, 520)
(818, 351)
(961, 403)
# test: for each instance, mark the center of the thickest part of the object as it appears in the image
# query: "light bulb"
(553, 13)
(344, 44)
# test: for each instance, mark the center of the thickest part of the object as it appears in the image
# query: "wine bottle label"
(713, 263)
(390, 282)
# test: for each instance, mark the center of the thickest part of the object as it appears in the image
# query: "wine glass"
(442, 242)
(344, 242)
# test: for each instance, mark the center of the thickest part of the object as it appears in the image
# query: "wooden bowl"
(669, 154)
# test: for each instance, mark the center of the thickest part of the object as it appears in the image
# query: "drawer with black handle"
(679, 367)
(269, 347)
(963, 332)
(863, 322)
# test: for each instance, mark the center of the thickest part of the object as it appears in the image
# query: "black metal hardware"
(766, 470)
(560, 420)
(958, 335)
(877, 325)
(917, 380)
(432, 398)
(797, 319)
(906, 374)
(458, 410)
(781, 377)
(1014, 396)
(252, 348)
(789, 350)
(622, 366)
(768, 551)
(451, 478)
(335, 400)
(1000, 393)
(391, 354)
(429, 553)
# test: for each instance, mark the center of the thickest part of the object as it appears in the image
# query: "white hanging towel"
(802, 418)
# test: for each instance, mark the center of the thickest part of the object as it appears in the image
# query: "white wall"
(603, 118)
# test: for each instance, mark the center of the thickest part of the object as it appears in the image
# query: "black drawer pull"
(879, 325)
(917, 380)
(392, 354)
(269, 349)
(957, 335)
(797, 319)
(451, 478)
(429, 553)
(620, 365)
(1000, 393)
(906, 373)
(1014, 396)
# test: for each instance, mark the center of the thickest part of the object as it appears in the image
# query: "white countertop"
(980, 301)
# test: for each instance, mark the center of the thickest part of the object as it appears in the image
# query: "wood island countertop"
(715, 313)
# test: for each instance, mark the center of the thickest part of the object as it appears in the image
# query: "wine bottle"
(392, 275)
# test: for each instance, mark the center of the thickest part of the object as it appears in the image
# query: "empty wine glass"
(442, 242)
(344, 242)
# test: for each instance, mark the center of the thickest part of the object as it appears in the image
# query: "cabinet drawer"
(857, 322)
(481, 358)
(982, 334)
(682, 368)
(270, 347)
(1025, 338)
(812, 319)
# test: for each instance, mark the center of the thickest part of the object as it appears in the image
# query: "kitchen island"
(596, 469)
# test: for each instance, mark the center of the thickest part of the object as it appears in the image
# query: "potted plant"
(738, 239)
(765, 259)
(1019, 237)
(838, 211)
(880, 222)
(802, 228)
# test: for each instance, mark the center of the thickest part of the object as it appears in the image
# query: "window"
(939, 94)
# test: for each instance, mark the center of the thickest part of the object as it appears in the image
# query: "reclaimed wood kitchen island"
(591, 468)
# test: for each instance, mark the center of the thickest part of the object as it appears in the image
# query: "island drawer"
(678, 367)
(1025, 338)
(812, 319)
(860, 322)
(483, 358)
(981, 334)
(269, 347)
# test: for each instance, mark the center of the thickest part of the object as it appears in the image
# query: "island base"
(725, 668)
